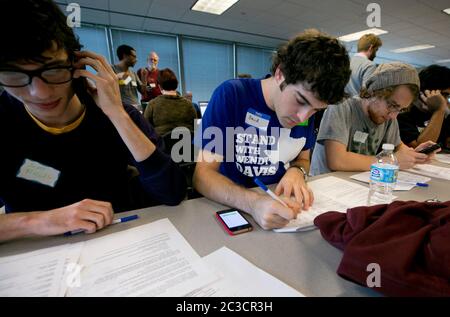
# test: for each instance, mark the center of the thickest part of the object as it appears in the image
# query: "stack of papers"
(150, 260)
(330, 194)
(443, 158)
(432, 171)
(405, 180)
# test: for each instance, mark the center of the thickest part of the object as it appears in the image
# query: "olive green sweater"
(167, 112)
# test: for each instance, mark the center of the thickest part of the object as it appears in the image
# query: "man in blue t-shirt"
(263, 128)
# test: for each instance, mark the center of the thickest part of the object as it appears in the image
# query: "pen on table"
(115, 221)
(414, 183)
(268, 191)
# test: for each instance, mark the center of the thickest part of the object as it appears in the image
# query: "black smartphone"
(430, 149)
(233, 221)
(79, 85)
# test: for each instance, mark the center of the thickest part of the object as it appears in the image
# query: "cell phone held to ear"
(233, 221)
(430, 149)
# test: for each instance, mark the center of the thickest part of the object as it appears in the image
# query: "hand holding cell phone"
(430, 149)
(107, 94)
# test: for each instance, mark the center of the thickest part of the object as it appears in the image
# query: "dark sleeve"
(445, 132)
(3, 100)
(158, 174)
(408, 128)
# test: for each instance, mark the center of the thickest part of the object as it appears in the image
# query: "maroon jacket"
(152, 79)
(409, 240)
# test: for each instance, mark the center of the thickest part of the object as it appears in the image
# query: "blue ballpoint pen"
(115, 221)
(413, 183)
(269, 192)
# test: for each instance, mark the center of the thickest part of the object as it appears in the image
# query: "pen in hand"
(115, 221)
(269, 192)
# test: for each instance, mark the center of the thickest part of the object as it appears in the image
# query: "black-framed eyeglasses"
(20, 78)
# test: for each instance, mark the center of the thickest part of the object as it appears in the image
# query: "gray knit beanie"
(392, 74)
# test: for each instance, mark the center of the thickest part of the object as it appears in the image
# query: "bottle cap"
(388, 147)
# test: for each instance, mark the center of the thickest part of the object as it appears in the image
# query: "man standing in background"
(362, 64)
(149, 75)
(129, 82)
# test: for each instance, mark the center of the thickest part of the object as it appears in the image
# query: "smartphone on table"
(233, 221)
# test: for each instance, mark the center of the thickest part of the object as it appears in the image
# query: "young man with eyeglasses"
(353, 132)
(429, 117)
(66, 146)
(273, 129)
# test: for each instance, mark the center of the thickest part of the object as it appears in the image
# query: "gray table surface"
(303, 260)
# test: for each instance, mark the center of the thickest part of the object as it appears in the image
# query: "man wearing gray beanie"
(353, 132)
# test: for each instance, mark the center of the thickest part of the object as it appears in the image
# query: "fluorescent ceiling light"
(447, 11)
(356, 36)
(443, 61)
(213, 6)
(413, 48)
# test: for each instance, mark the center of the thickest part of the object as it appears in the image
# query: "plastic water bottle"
(383, 177)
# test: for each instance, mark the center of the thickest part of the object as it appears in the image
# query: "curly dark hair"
(317, 59)
(434, 77)
(124, 50)
(31, 27)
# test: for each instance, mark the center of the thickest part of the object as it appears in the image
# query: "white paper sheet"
(150, 260)
(240, 278)
(330, 194)
(71, 260)
(443, 158)
(33, 274)
(405, 180)
(432, 171)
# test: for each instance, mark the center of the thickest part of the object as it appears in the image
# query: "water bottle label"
(383, 175)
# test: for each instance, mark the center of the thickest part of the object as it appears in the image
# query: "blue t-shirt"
(239, 125)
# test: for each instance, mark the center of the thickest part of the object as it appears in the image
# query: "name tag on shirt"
(124, 82)
(360, 137)
(152, 85)
(134, 84)
(39, 173)
(257, 119)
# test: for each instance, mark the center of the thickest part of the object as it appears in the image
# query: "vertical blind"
(253, 61)
(94, 39)
(206, 65)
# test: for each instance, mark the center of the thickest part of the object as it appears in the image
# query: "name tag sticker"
(39, 173)
(153, 85)
(257, 119)
(304, 124)
(360, 137)
(134, 84)
(126, 81)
